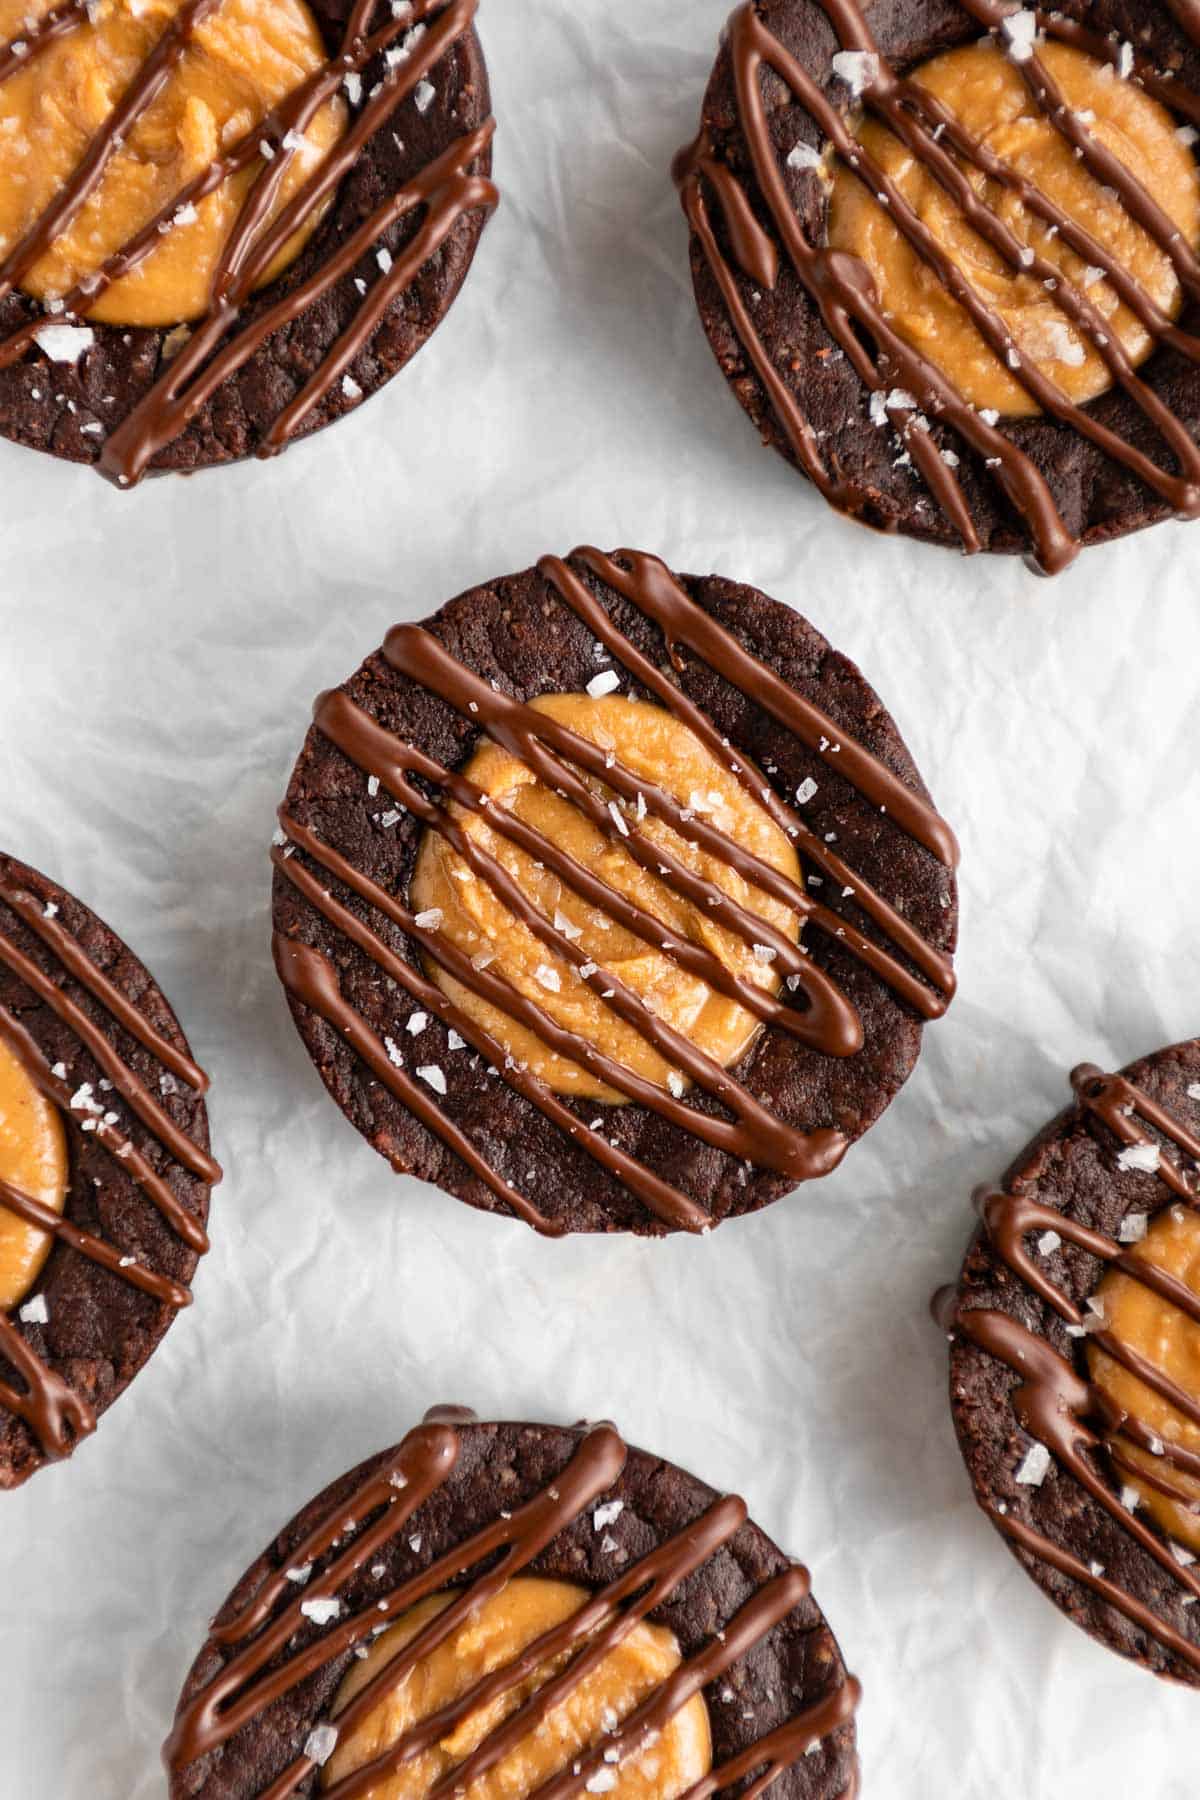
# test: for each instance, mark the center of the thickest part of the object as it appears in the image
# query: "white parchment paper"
(160, 654)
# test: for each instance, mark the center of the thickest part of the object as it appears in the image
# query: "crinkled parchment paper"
(160, 653)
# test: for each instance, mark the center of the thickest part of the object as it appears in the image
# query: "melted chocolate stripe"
(1181, 1458)
(595, 1466)
(1052, 1399)
(830, 1023)
(460, 194)
(378, 752)
(156, 1189)
(143, 91)
(423, 1463)
(647, 1585)
(1149, 1374)
(1182, 492)
(1010, 1218)
(650, 586)
(1167, 1450)
(758, 1135)
(772, 1603)
(166, 410)
(842, 290)
(161, 1287)
(689, 166)
(784, 1746)
(1139, 203)
(54, 1412)
(1115, 1101)
(132, 1090)
(841, 284)
(20, 51)
(658, 1196)
(1072, 232)
(1163, 87)
(756, 254)
(311, 978)
(549, 749)
(1048, 1402)
(89, 975)
(1041, 1547)
(127, 461)
(292, 113)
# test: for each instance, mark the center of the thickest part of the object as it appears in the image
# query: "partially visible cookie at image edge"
(1074, 1359)
(630, 1631)
(105, 1170)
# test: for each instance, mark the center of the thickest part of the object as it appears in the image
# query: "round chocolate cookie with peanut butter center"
(1075, 1359)
(105, 1170)
(946, 254)
(225, 222)
(611, 899)
(501, 1610)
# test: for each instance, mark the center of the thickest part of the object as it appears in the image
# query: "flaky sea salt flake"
(1145, 1158)
(859, 69)
(1020, 29)
(1034, 1466)
(64, 343)
(320, 1743)
(322, 1609)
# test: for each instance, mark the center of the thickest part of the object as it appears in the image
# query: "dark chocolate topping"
(262, 1657)
(829, 1023)
(445, 190)
(57, 1415)
(1053, 1401)
(843, 291)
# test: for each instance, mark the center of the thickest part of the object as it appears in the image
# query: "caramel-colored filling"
(1164, 1336)
(649, 742)
(527, 1608)
(244, 58)
(33, 1158)
(988, 96)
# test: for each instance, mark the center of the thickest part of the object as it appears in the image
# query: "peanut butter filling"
(989, 97)
(493, 1637)
(648, 742)
(33, 1158)
(1164, 1336)
(240, 61)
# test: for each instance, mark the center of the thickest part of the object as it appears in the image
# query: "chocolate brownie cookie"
(945, 252)
(517, 1608)
(269, 219)
(1075, 1359)
(104, 1170)
(611, 899)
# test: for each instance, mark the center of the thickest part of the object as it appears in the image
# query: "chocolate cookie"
(830, 160)
(406, 191)
(1074, 1335)
(551, 1052)
(477, 1513)
(104, 1169)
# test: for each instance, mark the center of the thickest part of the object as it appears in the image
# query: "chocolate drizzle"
(561, 758)
(1052, 1400)
(55, 1413)
(268, 1660)
(444, 192)
(843, 291)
